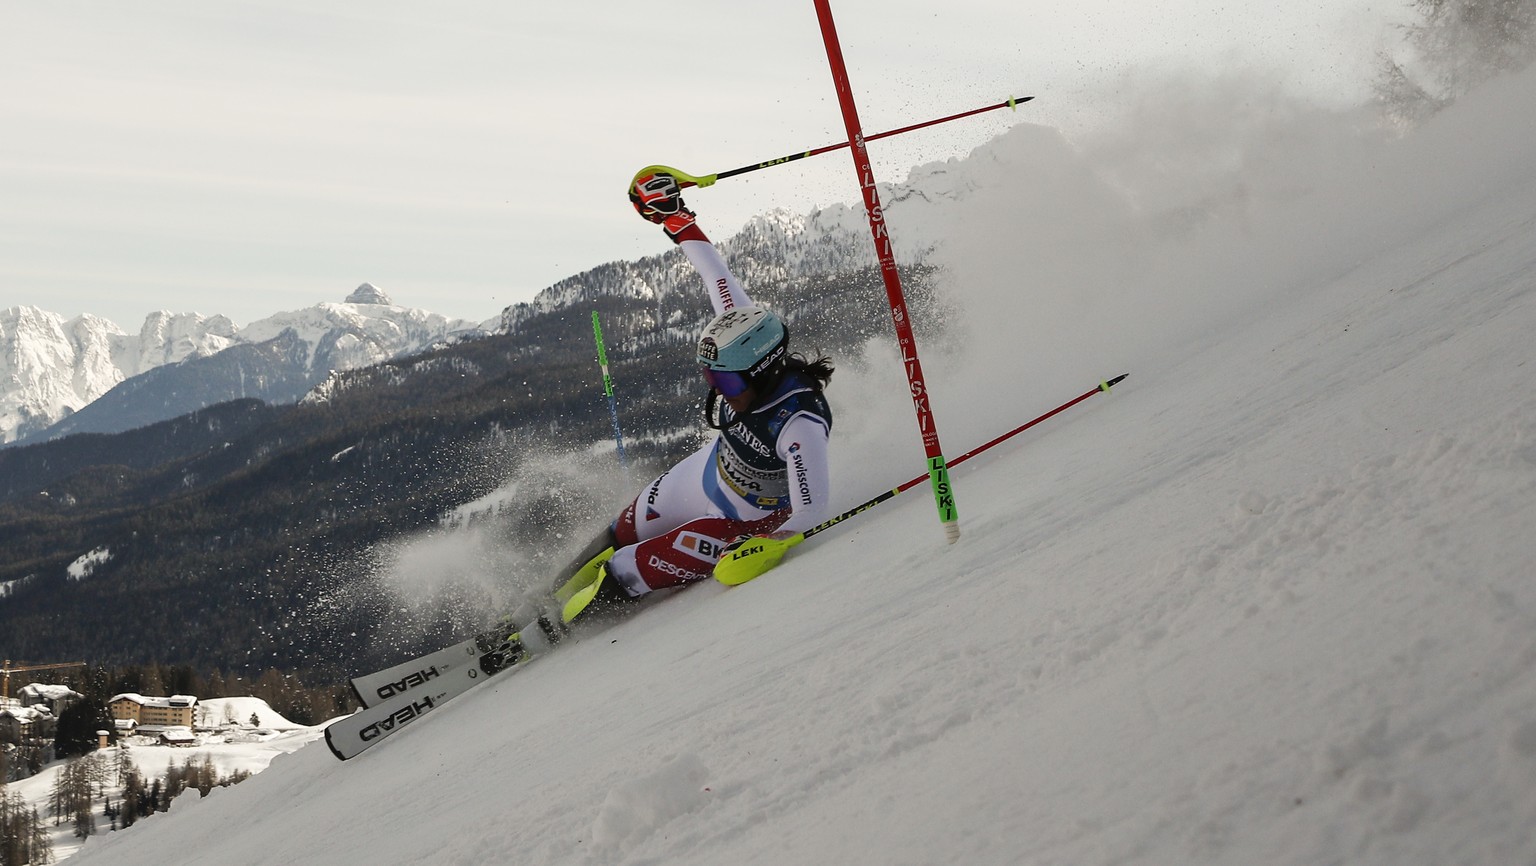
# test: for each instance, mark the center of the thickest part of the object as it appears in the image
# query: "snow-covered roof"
(141, 700)
(46, 691)
(27, 715)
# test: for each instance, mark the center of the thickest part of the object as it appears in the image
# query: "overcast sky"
(245, 158)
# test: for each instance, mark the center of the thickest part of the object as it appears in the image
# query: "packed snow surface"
(1269, 601)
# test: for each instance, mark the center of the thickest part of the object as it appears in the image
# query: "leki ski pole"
(686, 180)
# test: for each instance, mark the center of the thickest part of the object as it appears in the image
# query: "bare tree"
(1453, 47)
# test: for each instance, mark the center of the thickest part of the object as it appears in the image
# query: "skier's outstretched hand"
(658, 198)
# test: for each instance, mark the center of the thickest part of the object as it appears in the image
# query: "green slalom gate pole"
(613, 403)
(758, 555)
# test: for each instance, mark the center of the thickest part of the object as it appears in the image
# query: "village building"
(56, 698)
(148, 712)
(20, 724)
(178, 736)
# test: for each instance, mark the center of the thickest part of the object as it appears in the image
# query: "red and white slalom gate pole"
(938, 472)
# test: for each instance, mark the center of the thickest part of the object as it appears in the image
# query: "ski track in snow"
(1270, 601)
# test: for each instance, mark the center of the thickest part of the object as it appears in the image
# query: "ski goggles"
(728, 382)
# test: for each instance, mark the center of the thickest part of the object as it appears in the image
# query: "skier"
(765, 473)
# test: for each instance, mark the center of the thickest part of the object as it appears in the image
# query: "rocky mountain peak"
(368, 293)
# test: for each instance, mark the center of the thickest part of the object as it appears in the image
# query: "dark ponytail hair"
(819, 369)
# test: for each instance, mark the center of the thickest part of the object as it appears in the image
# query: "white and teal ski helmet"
(748, 340)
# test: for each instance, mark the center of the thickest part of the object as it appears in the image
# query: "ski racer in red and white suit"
(766, 473)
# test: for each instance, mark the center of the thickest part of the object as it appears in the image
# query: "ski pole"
(880, 233)
(758, 555)
(686, 180)
(613, 403)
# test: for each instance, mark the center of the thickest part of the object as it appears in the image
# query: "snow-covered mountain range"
(52, 368)
(779, 245)
(54, 373)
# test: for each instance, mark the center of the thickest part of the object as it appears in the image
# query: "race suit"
(765, 471)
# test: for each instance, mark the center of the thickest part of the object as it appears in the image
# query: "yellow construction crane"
(7, 670)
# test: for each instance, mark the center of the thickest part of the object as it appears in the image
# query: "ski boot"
(500, 649)
(508, 643)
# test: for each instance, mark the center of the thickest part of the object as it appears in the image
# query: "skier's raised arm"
(659, 199)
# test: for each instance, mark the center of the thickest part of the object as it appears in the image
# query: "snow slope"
(1271, 601)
